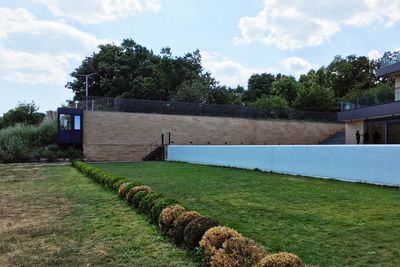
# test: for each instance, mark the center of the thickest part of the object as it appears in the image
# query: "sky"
(43, 41)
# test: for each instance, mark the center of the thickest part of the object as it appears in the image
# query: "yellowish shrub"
(282, 259)
(168, 216)
(213, 240)
(136, 189)
(238, 252)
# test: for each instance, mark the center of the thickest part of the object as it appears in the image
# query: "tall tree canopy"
(23, 113)
(132, 71)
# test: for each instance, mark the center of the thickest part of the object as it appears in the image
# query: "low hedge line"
(220, 246)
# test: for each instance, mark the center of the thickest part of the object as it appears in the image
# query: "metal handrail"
(154, 144)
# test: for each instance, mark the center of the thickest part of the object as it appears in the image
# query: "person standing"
(366, 137)
(358, 137)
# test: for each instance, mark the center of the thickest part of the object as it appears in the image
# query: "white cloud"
(374, 54)
(40, 51)
(97, 11)
(294, 24)
(296, 66)
(228, 71)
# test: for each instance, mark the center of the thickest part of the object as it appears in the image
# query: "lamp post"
(87, 76)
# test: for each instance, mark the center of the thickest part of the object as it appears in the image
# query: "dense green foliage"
(325, 222)
(132, 71)
(21, 143)
(24, 113)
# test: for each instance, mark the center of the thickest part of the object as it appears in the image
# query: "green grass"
(325, 222)
(54, 216)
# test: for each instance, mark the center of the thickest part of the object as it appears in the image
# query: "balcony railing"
(368, 100)
(390, 58)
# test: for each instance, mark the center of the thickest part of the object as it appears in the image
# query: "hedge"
(219, 245)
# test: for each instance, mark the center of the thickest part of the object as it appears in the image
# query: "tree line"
(130, 70)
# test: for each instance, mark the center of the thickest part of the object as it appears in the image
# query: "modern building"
(377, 117)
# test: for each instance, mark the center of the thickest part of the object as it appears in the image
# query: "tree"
(24, 113)
(286, 87)
(312, 96)
(270, 102)
(131, 70)
(192, 91)
(258, 85)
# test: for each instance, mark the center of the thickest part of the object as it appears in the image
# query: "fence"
(368, 100)
(180, 108)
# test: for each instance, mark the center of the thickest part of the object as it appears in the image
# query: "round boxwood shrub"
(213, 239)
(282, 259)
(159, 205)
(167, 217)
(147, 202)
(238, 252)
(116, 185)
(124, 188)
(137, 198)
(136, 189)
(195, 230)
(180, 224)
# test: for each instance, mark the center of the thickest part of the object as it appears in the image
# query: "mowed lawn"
(325, 222)
(55, 216)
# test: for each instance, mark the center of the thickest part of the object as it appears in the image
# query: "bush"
(213, 240)
(117, 184)
(137, 198)
(238, 252)
(195, 230)
(159, 205)
(168, 216)
(148, 202)
(282, 259)
(14, 149)
(124, 188)
(136, 189)
(180, 224)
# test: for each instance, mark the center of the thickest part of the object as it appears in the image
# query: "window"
(77, 122)
(65, 122)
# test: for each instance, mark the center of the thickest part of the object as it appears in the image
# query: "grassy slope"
(55, 216)
(325, 222)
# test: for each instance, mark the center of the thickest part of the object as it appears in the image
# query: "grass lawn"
(54, 216)
(325, 222)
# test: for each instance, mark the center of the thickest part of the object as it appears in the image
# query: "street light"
(87, 76)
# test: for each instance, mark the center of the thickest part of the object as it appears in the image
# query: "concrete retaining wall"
(376, 164)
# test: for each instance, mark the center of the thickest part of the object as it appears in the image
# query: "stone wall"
(114, 136)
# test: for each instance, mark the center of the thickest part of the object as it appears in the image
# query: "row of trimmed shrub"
(220, 246)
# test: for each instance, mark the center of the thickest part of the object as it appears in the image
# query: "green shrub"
(282, 259)
(195, 230)
(238, 252)
(51, 153)
(148, 202)
(116, 185)
(180, 224)
(159, 205)
(14, 149)
(134, 190)
(137, 198)
(167, 217)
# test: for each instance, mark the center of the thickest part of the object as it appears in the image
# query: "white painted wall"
(376, 164)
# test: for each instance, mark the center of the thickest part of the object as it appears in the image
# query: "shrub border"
(150, 204)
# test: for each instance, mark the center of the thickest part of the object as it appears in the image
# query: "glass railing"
(368, 100)
(390, 58)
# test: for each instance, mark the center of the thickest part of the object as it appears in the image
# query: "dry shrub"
(136, 189)
(282, 259)
(180, 224)
(195, 230)
(168, 216)
(122, 190)
(214, 238)
(238, 252)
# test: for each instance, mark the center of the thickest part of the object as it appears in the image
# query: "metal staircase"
(156, 150)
